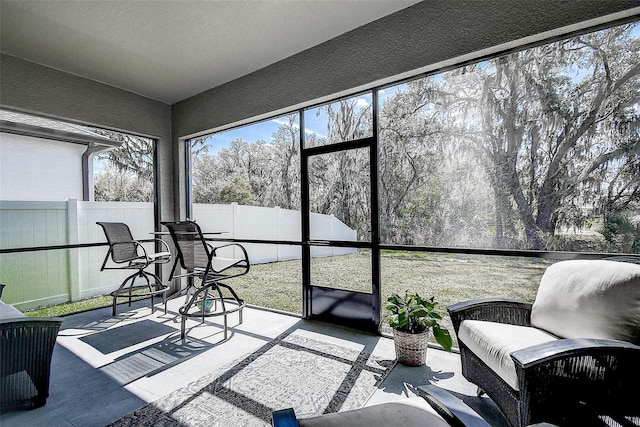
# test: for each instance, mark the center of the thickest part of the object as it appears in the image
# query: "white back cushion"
(590, 299)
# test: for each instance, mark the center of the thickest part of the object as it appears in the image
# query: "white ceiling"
(172, 49)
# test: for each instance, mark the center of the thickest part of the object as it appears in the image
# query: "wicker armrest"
(592, 375)
(571, 348)
(491, 310)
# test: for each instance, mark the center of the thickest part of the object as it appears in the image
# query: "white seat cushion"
(494, 342)
(590, 299)
(414, 411)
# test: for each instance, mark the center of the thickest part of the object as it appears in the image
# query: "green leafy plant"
(414, 314)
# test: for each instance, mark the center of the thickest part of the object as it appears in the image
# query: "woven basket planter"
(411, 349)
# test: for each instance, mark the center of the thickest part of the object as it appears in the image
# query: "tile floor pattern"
(103, 368)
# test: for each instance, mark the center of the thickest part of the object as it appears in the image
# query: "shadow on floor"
(106, 367)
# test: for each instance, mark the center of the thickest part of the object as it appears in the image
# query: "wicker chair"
(26, 347)
(205, 268)
(129, 254)
(570, 358)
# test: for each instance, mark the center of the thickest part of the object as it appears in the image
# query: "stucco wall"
(31, 169)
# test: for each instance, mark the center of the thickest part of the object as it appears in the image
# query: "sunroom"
(355, 150)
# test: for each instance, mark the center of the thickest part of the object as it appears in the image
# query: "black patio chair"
(206, 267)
(130, 254)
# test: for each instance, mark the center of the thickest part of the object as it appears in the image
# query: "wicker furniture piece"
(570, 358)
(130, 254)
(411, 349)
(26, 347)
(434, 408)
(205, 268)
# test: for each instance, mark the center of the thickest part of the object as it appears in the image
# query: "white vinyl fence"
(42, 278)
(258, 223)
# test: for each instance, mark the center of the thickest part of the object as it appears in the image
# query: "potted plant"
(412, 318)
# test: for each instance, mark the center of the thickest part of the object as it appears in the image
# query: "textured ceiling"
(171, 50)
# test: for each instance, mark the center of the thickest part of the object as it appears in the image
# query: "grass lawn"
(450, 278)
(71, 307)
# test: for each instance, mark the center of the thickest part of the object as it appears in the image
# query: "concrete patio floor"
(105, 367)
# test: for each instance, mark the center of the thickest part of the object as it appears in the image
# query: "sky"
(315, 122)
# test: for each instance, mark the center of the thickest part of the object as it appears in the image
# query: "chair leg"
(121, 287)
(224, 310)
(142, 273)
(182, 327)
(225, 326)
(164, 299)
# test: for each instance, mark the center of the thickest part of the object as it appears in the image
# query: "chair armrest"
(571, 347)
(164, 244)
(284, 418)
(580, 376)
(449, 407)
(161, 257)
(144, 258)
(244, 251)
(491, 310)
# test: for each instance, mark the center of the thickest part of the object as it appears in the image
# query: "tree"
(554, 127)
(135, 155)
(237, 191)
(339, 182)
(285, 187)
(411, 190)
(269, 170)
(129, 166)
(501, 153)
(547, 115)
(112, 185)
(431, 189)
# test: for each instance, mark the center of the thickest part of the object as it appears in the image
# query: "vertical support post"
(305, 218)
(333, 234)
(277, 215)
(374, 156)
(157, 204)
(234, 224)
(87, 172)
(73, 255)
